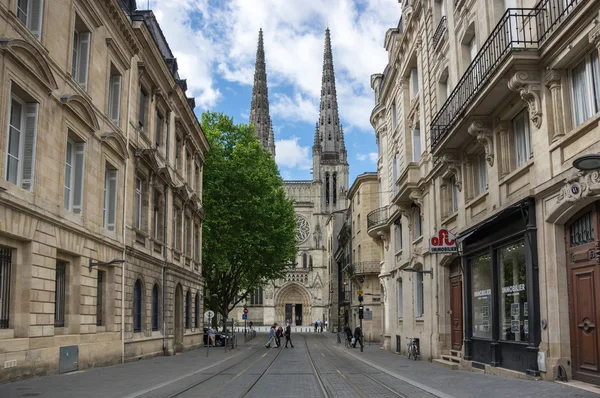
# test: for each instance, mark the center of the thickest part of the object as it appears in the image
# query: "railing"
(377, 217)
(517, 29)
(439, 32)
(366, 267)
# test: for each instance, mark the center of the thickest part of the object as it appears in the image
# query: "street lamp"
(111, 263)
(587, 162)
(420, 271)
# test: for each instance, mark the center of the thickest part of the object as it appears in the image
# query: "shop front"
(499, 257)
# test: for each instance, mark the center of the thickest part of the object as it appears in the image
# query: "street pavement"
(316, 367)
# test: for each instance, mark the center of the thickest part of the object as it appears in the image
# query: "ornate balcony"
(376, 220)
(439, 32)
(364, 268)
(518, 31)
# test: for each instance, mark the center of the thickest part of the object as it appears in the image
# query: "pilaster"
(552, 81)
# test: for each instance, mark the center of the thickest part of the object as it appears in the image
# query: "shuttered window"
(22, 134)
(30, 13)
(81, 53)
(110, 199)
(74, 176)
(114, 98)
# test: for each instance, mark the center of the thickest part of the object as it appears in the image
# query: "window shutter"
(35, 17)
(115, 98)
(78, 180)
(83, 61)
(29, 146)
(68, 173)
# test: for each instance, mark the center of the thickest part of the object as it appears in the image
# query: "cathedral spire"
(259, 108)
(330, 132)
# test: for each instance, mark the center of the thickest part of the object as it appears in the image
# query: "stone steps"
(451, 358)
(447, 364)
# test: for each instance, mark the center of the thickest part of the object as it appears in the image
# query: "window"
(256, 298)
(395, 174)
(110, 199)
(197, 311)
(514, 319)
(74, 174)
(418, 222)
(5, 296)
(22, 132)
(188, 309)
(100, 298)
(81, 53)
(358, 222)
(30, 14)
(419, 299)
(400, 304)
(60, 283)
(156, 215)
(137, 306)
(472, 49)
(443, 91)
(159, 126)
(137, 212)
(155, 306)
(482, 173)
(188, 237)
(414, 79)
(481, 291)
(358, 196)
(196, 243)
(197, 180)
(189, 167)
(178, 147)
(177, 229)
(304, 261)
(416, 141)
(585, 82)
(522, 139)
(398, 235)
(142, 107)
(394, 116)
(453, 195)
(114, 96)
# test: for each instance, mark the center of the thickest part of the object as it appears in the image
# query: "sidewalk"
(126, 379)
(457, 383)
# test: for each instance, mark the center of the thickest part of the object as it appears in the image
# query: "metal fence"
(377, 217)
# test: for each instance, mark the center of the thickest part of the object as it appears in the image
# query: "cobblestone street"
(316, 367)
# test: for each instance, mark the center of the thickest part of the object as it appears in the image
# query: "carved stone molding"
(579, 186)
(594, 36)
(552, 78)
(482, 130)
(452, 162)
(385, 238)
(527, 84)
(417, 197)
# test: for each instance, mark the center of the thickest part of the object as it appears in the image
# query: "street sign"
(244, 317)
(245, 310)
(360, 292)
(209, 314)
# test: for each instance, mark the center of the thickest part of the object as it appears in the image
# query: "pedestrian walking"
(211, 337)
(288, 335)
(321, 326)
(271, 336)
(278, 335)
(348, 333)
(357, 337)
(316, 326)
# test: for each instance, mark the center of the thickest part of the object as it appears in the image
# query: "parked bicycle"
(413, 348)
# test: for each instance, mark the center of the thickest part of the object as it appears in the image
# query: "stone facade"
(89, 175)
(477, 135)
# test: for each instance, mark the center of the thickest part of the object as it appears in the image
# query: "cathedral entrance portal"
(292, 302)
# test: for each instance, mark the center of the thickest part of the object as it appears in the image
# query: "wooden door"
(456, 316)
(584, 291)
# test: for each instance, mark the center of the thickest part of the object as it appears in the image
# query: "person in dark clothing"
(288, 335)
(357, 337)
(348, 333)
(278, 335)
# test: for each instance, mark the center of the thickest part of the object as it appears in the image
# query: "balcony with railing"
(513, 42)
(376, 220)
(364, 268)
(439, 32)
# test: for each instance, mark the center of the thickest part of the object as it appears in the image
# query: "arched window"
(137, 306)
(256, 298)
(197, 311)
(326, 188)
(310, 266)
(155, 307)
(304, 260)
(188, 305)
(334, 190)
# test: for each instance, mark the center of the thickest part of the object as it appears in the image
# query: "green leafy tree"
(249, 235)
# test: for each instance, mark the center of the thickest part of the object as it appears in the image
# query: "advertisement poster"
(485, 326)
(514, 310)
(525, 309)
(526, 326)
(515, 326)
(485, 311)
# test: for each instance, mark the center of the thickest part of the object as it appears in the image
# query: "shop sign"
(483, 293)
(443, 242)
(513, 288)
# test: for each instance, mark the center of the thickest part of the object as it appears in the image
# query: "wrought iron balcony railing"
(439, 32)
(366, 267)
(377, 217)
(518, 29)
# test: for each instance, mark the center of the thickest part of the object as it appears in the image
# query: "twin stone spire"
(329, 136)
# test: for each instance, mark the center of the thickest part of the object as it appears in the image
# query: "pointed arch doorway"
(293, 303)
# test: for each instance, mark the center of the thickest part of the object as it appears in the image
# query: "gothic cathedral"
(303, 294)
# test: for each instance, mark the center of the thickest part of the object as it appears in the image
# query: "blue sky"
(215, 45)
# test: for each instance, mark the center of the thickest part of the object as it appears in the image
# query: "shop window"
(419, 297)
(100, 298)
(110, 198)
(400, 304)
(30, 13)
(155, 306)
(74, 174)
(60, 283)
(481, 293)
(137, 306)
(522, 139)
(81, 53)
(22, 137)
(514, 312)
(5, 283)
(585, 86)
(188, 309)
(114, 95)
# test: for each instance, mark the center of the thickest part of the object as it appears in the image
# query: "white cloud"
(373, 157)
(289, 154)
(361, 157)
(298, 108)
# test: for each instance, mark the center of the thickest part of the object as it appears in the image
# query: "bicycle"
(413, 349)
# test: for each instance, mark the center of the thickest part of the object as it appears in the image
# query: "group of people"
(276, 333)
(319, 326)
(353, 339)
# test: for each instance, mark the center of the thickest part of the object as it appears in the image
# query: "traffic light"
(360, 298)
(360, 312)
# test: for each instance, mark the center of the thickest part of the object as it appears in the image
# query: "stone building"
(479, 116)
(302, 295)
(100, 189)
